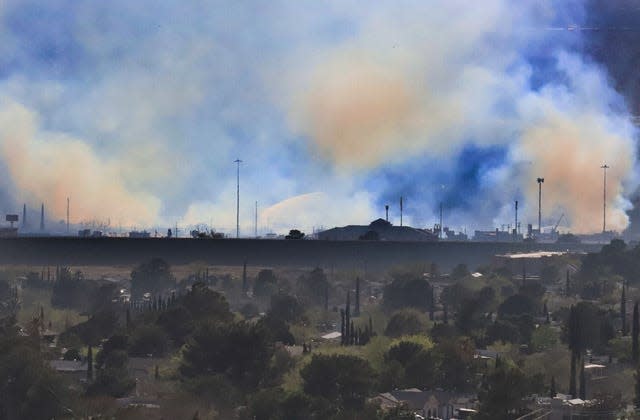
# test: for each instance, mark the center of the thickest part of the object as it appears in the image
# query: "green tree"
(112, 377)
(148, 340)
(407, 289)
(266, 284)
(344, 379)
(635, 330)
(206, 304)
(286, 307)
(501, 396)
(406, 322)
(455, 358)
(152, 277)
(29, 389)
(312, 287)
(636, 399)
(459, 272)
(549, 274)
(177, 322)
(516, 305)
(239, 351)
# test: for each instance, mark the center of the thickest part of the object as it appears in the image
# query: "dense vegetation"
(246, 344)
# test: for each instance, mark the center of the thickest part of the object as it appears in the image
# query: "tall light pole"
(540, 181)
(238, 162)
(604, 198)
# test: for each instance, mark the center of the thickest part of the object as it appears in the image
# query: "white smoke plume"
(49, 167)
(428, 83)
(138, 110)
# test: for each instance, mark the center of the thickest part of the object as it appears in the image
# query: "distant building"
(451, 235)
(496, 236)
(8, 232)
(429, 404)
(379, 229)
(139, 234)
(74, 369)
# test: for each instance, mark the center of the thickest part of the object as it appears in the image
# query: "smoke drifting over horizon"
(138, 112)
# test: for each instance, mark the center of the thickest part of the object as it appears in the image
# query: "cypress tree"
(347, 315)
(552, 391)
(583, 382)
(432, 305)
(326, 297)
(370, 326)
(635, 330)
(128, 319)
(352, 337)
(356, 311)
(342, 329)
(623, 309)
(636, 400)
(572, 379)
(244, 277)
(90, 363)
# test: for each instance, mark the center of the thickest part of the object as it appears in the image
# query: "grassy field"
(31, 302)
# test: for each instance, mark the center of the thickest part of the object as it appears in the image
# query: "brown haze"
(48, 168)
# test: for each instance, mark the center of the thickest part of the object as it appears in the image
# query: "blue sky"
(137, 111)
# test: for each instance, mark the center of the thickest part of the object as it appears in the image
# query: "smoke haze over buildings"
(138, 112)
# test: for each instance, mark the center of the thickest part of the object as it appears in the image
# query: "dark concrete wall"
(307, 253)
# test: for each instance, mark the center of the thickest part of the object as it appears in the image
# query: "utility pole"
(42, 217)
(67, 215)
(441, 228)
(516, 225)
(255, 226)
(238, 162)
(540, 181)
(386, 209)
(400, 210)
(604, 198)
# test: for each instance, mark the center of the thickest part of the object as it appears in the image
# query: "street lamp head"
(540, 180)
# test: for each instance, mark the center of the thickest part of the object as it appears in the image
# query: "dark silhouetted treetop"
(152, 277)
(517, 305)
(204, 303)
(343, 379)
(286, 308)
(148, 341)
(240, 352)
(407, 289)
(406, 322)
(312, 287)
(266, 284)
(177, 322)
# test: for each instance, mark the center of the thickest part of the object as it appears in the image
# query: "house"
(429, 404)
(73, 369)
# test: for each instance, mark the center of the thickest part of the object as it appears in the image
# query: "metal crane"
(555, 228)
